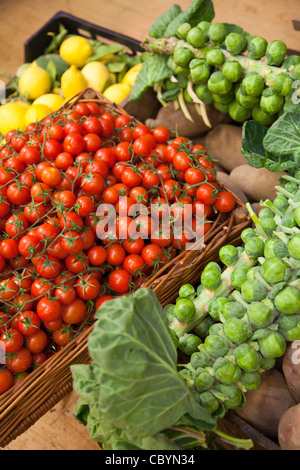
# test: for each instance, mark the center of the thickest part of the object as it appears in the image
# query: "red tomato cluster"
(55, 271)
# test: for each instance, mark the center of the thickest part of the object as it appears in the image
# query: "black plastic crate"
(40, 40)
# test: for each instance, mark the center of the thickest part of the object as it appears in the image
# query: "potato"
(289, 429)
(257, 183)
(224, 144)
(176, 122)
(291, 369)
(224, 178)
(265, 405)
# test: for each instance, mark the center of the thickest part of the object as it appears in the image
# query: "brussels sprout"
(216, 346)
(248, 233)
(233, 394)
(228, 255)
(291, 187)
(215, 57)
(236, 330)
(246, 357)
(218, 85)
(216, 329)
(238, 113)
(259, 115)
(257, 47)
(203, 327)
(281, 203)
(267, 363)
(211, 278)
(200, 359)
(188, 377)
(260, 315)
(196, 37)
(238, 276)
(199, 71)
(204, 25)
(216, 307)
(182, 30)
(188, 343)
(244, 100)
(169, 311)
(275, 53)
(223, 108)
(209, 402)
(283, 84)
(253, 84)
(224, 99)
(288, 220)
(226, 371)
(178, 69)
(187, 291)
(203, 94)
(254, 247)
(265, 212)
(273, 345)
(182, 56)
(275, 247)
(235, 43)
(253, 291)
(275, 270)
(217, 33)
(270, 102)
(288, 300)
(184, 310)
(290, 61)
(203, 380)
(252, 272)
(233, 310)
(269, 225)
(232, 71)
(251, 380)
(295, 73)
(294, 246)
(289, 326)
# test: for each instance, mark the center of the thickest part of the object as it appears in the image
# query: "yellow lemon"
(34, 82)
(72, 82)
(117, 92)
(52, 100)
(96, 75)
(12, 116)
(75, 50)
(36, 112)
(130, 76)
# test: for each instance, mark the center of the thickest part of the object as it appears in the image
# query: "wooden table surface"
(58, 430)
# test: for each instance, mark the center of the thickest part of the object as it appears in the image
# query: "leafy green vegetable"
(252, 144)
(283, 137)
(276, 148)
(52, 63)
(101, 50)
(132, 392)
(199, 10)
(153, 70)
(158, 28)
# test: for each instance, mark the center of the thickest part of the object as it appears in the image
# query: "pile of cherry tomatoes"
(55, 270)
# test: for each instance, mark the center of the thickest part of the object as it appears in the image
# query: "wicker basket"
(45, 386)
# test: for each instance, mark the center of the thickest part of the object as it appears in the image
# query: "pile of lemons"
(35, 85)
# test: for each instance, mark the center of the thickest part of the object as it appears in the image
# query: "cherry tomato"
(74, 312)
(119, 280)
(225, 202)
